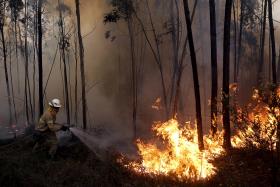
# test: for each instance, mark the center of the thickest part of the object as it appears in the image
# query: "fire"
(258, 128)
(180, 156)
(175, 152)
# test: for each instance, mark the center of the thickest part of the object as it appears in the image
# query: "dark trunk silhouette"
(261, 59)
(214, 70)
(40, 57)
(63, 46)
(82, 66)
(272, 38)
(4, 50)
(226, 75)
(134, 77)
(241, 25)
(180, 68)
(195, 76)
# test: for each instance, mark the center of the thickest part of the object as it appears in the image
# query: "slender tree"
(261, 59)
(195, 76)
(82, 64)
(241, 26)
(180, 69)
(4, 49)
(226, 75)
(40, 56)
(76, 78)
(11, 78)
(63, 43)
(272, 38)
(16, 6)
(214, 70)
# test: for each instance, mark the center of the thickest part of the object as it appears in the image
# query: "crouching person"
(46, 128)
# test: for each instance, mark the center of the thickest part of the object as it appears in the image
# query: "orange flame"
(177, 153)
(180, 156)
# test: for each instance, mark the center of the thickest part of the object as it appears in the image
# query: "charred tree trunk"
(214, 69)
(235, 77)
(12, 82)
(226, 75)
(272, 38)
(261, 60)
(63, 46)
(240, 36)
(134, 78)
(5, 65)
(195, 76)
(40, 57)
(175, 47)
(27, 82)
(180, 68)
(76, 79)
(82, 65)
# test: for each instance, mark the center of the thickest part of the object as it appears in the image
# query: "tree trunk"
(235, 77)
(272, 38)
(16, 47)
(195, 76)
(240, 36)
(175, 49)
(12, 82)
(226, 75)
(76, 78)
(134, 78)
(6, 71)
(160, 66)
(214, 70)
(40, 57)
(180, 68)
(63, 56)
(82, 65)
(261, 60)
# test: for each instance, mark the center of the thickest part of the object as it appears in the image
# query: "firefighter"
(46, 128)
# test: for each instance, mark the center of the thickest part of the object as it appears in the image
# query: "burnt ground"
(77, 166)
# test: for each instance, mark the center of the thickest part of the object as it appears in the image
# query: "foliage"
(257, 122)
(16, 6)
(122, 9)
(250, 13)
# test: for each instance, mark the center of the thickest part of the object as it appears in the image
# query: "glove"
(64, 128)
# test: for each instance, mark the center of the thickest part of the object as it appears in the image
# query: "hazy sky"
(276, 10)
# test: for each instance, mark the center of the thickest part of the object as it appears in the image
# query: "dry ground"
(77, 166)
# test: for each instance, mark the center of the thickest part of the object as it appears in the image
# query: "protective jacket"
(45, 132)
(47, 122)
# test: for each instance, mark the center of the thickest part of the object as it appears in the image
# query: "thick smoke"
(108, 66)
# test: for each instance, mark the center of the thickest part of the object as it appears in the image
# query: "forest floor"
(77, 166)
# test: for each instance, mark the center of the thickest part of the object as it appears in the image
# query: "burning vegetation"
(135, 51)
(180, 155)
(175, 151)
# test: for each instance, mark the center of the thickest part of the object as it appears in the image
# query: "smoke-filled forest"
(139, 93)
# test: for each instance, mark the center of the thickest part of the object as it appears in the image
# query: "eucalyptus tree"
(3, 6)
(226, 75)
(82, 64)
(195, 76)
